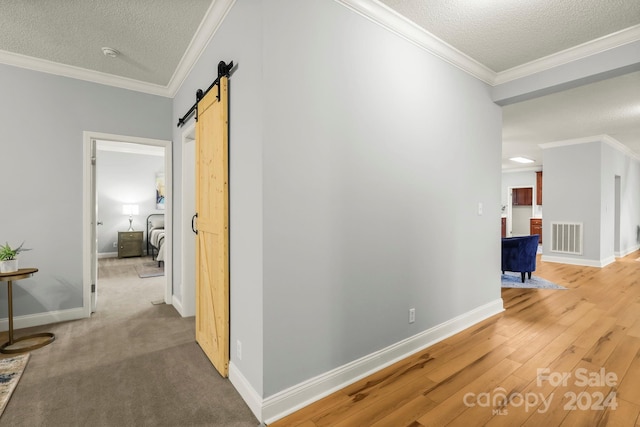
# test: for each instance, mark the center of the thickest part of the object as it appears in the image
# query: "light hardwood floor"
(589, 333)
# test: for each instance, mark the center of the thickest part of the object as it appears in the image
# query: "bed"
(155, 237)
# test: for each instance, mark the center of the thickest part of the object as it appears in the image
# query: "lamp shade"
(130, 209)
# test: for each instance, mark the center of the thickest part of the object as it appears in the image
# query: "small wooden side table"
(129, 243)
(22, 273)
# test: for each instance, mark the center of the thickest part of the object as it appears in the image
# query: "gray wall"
(616, 163)
(572, 189)
(124, 178)
(579, 186)
(41, 140)
(376, 155)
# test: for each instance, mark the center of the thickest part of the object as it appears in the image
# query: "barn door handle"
(193, 220)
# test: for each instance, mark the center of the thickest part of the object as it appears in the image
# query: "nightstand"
(129, 243)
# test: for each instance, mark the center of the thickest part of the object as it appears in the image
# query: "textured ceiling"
(503, 34)
(151, 35)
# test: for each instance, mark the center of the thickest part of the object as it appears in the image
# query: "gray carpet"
(513, 280)
(131, 364)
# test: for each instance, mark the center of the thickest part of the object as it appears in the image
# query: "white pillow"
(157, 223)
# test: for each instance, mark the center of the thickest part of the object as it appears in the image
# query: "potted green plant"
(8, 260)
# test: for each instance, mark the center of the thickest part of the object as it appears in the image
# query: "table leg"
(10, 302)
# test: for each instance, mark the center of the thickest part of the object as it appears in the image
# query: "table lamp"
(130, 210)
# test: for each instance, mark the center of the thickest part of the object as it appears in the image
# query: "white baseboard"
(250, 396)
(294, 398)
(626, 252)
(46, 318)
(108, 255)
(177, 304)
(579, 261)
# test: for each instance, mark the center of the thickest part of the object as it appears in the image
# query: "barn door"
(212, 210)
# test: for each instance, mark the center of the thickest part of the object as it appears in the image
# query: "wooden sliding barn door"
(212, 208)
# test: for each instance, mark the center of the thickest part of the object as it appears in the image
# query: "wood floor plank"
(452, 407)
(407, 414)
(379, 406)
(531, 343)
(629, 388)
(463, 360)
(634, 330)
(546, 355)
(458, 380)
(606, 344)
(557, 411)
(626, 414)
(316, 409)
(498, 404)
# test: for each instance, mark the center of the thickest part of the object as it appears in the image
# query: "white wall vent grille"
(566, 237)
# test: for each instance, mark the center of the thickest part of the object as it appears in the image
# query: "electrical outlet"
(115, 244)
(239, 349)
(412, 315)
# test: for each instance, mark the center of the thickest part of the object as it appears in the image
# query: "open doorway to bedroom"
(127, 219)
(130, 196)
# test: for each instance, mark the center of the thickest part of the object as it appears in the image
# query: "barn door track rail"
(224, 70)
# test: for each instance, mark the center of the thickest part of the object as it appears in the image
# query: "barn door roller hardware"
(224, 70)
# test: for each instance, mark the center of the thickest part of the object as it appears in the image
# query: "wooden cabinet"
(536, 227)
(129, 243)
(539, 188)
(504, 227)
(522, 196)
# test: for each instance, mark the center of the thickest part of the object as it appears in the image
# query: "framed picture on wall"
(160, 190)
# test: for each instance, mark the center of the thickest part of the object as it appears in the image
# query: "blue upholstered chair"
(519, 254)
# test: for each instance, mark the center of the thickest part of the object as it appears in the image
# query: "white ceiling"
(160, 39)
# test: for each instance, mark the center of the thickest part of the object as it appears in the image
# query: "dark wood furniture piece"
(539, 188)
(129, 243)
(22, 273)
(535, 227)
(522, 196)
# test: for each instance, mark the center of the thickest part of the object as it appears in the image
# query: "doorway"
(90, 214)
(520, 210)
(187, 302)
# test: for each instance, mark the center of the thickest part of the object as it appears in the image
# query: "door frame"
(509, 224)
(188, 294)
(89, 255)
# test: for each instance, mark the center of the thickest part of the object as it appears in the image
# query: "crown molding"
(208, 27)
(617, 145)
(393, 21)
(606, 139)
(212, 20)
(389, 19)
(50, 67)
(574, 141)
(584, 50)
(517, 169)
